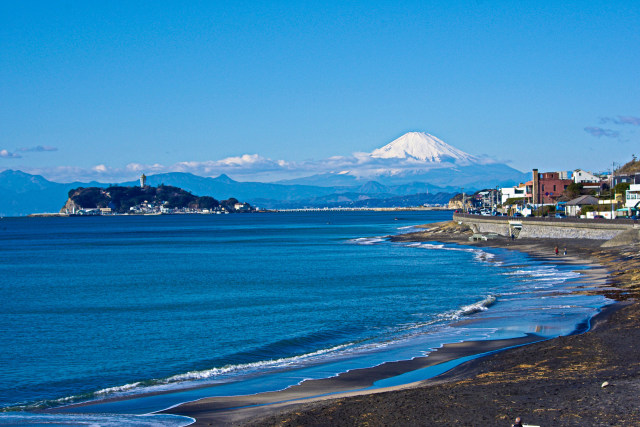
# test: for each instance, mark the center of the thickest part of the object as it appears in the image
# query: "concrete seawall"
(623, 231)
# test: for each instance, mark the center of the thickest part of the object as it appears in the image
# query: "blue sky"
(104, 90)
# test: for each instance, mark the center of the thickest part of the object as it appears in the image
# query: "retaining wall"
(548, 227)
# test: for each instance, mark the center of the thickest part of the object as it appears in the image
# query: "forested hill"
(122, 199)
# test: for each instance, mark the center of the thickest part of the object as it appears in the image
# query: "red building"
(546, 187)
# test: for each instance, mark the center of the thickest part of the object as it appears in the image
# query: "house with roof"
(583, 177)
(573, 207)
(630, 178)
(588, 180)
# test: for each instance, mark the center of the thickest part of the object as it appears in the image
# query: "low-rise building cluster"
(577, 193)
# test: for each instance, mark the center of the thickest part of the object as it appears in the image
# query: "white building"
(632, 199)
(512, 193)
(242, 207)
(581, 177)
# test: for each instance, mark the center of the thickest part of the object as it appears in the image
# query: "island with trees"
(163, 199)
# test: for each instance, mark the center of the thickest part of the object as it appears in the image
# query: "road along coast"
(587, 379)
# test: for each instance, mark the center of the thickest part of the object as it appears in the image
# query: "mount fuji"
(419, 157)
(422, 147)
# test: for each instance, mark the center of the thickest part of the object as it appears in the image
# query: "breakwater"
(619, 230)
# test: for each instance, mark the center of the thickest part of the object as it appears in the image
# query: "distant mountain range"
(23, 194)
(415, 169)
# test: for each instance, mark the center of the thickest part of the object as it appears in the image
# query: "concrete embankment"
(619, 232)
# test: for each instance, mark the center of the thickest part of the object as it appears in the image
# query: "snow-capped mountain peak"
(421, 146)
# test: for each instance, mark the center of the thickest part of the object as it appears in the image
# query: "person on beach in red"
(556, 250)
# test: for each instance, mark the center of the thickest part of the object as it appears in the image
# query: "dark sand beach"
(587, 379)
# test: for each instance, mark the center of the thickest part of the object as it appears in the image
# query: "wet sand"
(552, 382)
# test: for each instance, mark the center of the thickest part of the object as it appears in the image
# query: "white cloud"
(246, 167)
(139, 168)
(9, 155)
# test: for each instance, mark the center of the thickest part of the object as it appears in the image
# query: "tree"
(207, 202)
(90, 198)
(574, 190)
(621, 187)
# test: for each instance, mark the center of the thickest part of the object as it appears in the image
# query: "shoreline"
(310, 397)
(355, 381)
(586, 379)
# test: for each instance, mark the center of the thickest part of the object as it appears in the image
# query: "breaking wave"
(367, 240)
(470, 309)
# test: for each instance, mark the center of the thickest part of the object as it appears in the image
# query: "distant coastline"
(327, 209)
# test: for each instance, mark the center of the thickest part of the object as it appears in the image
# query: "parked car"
(598, 217)
(560, 215)
(518, 214)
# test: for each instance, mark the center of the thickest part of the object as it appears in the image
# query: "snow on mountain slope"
(424, 147)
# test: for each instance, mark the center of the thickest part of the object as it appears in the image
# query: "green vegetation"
(514, 201)
(622, 187)
(630, 167)
(122, 199)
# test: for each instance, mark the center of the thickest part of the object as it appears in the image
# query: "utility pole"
(463, 202)
(612, 194)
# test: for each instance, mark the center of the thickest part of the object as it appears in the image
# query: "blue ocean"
(98, 307)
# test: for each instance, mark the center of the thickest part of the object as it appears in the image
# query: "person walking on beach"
(556, 250)
(565, 251)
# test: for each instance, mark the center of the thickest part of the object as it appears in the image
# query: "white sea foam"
(367, 240)
(483, 256)
(428, 246)
(118, 389)
(181, 380)
(478, 306)
(478, 254)
(406, 227)
(470, 309)
(543, 277)
(250, 367)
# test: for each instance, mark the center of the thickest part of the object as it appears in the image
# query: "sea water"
(97, 307)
